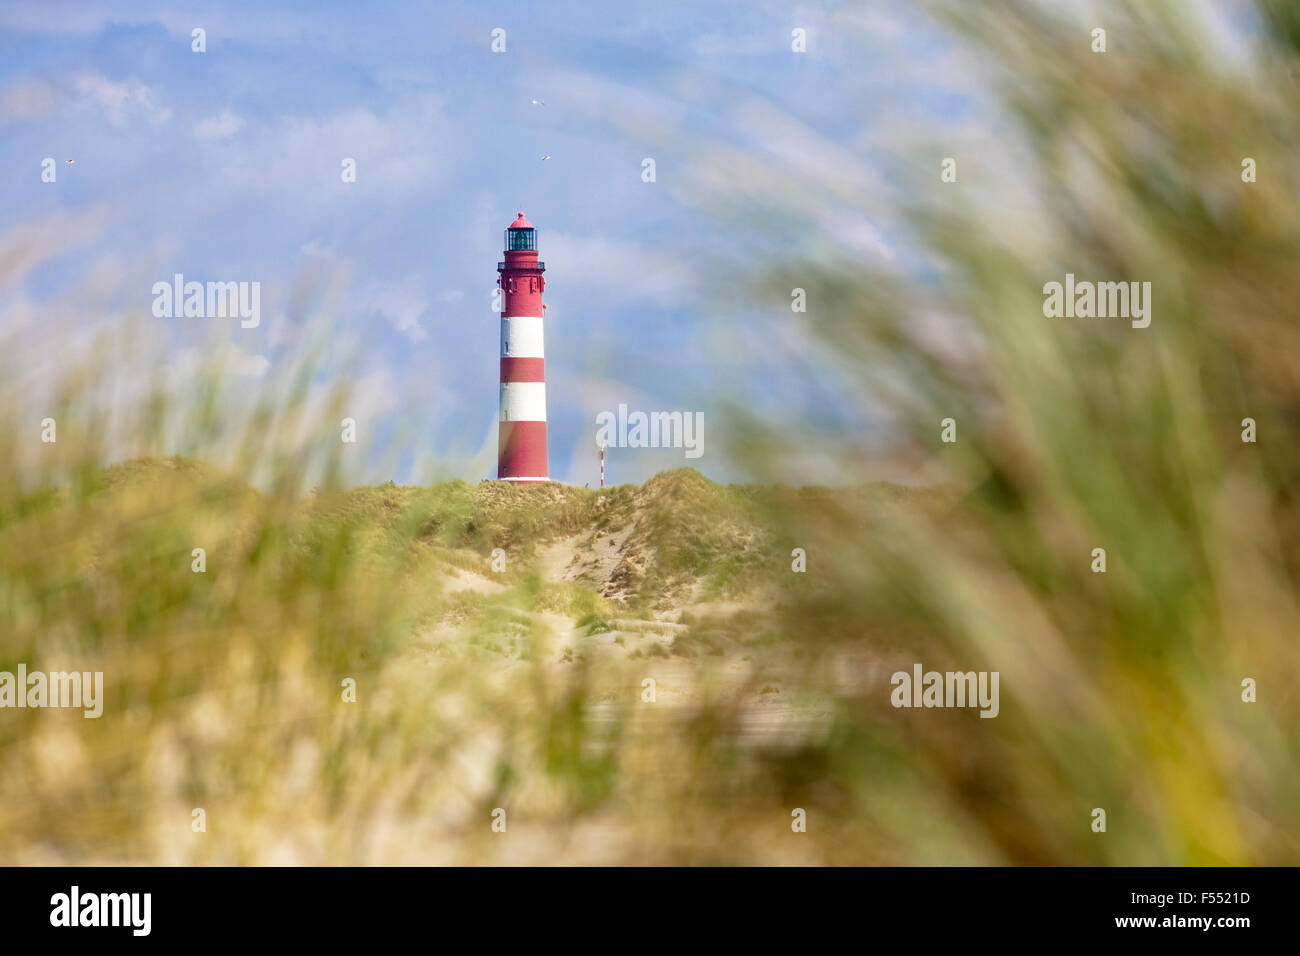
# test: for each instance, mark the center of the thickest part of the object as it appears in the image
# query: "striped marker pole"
(602, 466)
(521, 442)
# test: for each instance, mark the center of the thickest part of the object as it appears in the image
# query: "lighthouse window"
(525, 239)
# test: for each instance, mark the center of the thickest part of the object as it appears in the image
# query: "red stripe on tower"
(520, 369)
(521, 441)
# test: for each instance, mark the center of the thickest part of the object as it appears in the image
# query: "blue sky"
(225, 166)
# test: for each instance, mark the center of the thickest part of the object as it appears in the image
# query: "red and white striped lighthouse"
(521, 440)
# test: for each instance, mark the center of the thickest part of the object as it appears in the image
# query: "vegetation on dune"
(224, 685)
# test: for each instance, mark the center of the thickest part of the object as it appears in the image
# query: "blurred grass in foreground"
(1119, 690)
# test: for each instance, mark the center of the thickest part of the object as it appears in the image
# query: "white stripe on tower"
(521, 336)
(523, 401)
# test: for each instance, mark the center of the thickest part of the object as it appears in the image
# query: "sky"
(225, 165)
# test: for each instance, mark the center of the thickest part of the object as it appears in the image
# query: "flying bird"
(537, 102)
(67, 161)
(547, 156)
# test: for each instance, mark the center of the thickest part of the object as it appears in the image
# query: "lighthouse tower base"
(522, 452)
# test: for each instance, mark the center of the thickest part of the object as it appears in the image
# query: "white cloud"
(383, 147)
(876, 22)
(88, 17)
(736, 44)
(374, 394)
(649, 113)
(401, 305)
(405, 148)
(118, 101)
(317, 249)
(601, 262)
(222, 126)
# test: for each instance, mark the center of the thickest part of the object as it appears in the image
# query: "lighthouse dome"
(521, 236)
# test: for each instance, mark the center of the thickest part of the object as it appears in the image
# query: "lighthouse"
(521, 436)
